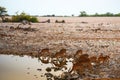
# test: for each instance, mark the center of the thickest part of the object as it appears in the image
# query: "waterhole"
(27, 68)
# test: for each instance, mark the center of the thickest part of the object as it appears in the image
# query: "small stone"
(28, 68)
(48, 69)
(28, 72)
(35, 75)
(49, 75)
(39, 69)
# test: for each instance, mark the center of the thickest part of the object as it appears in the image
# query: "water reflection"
(23, 68)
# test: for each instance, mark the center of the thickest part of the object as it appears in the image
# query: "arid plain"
(92, 35)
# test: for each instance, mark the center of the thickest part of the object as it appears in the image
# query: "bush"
(24, 16)
(83, 14)
(33, 19)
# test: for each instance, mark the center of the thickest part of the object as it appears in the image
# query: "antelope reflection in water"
(59, 59)
(81, 62)
(44, 55)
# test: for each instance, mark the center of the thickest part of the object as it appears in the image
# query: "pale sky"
(60, 7)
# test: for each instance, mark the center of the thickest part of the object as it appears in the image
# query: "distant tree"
(72, 15)
(109, 14)
(118, 14)
(53, 15)
(83, 13)
(3, 13)
(96, 14)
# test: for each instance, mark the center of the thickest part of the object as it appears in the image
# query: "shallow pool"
(25, 68)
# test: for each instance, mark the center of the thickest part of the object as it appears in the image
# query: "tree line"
(24, 16)
(107, 14)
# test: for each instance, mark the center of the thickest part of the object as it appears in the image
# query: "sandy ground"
(93, 35)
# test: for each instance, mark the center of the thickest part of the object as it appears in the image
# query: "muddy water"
(24, 68)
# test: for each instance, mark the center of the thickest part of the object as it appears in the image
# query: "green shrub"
(33, 19)
(15, 19)
(24, 16)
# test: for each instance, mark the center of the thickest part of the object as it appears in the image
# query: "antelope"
(82, 63)
(103, 59)
(24, 22)
(44, 52)
(60, 54)
(84, 59)
(77, 67)
(81, 57)
(93, 60)
(63, 21)
(47, 21)
(78, 54)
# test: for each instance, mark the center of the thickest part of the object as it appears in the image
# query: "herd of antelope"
(24, 22)
(80, 61)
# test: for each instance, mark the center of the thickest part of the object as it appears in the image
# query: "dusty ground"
(94, 35)
(98, 35)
